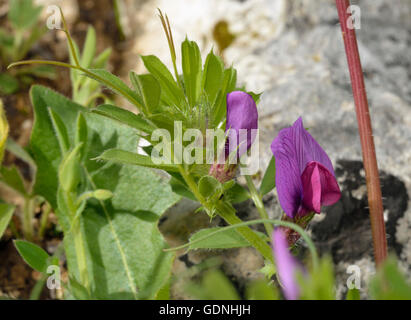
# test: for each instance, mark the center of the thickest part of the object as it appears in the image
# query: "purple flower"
(242, 118)
(287, 266)
(241, 114)
(305, 176)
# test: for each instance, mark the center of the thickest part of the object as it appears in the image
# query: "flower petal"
(287, 175)
(307, 149)
(241, 114)
(287, 266)
(319, 187)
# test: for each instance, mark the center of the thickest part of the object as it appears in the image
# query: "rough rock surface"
(293, 51)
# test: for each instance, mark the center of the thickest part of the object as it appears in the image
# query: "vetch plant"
(108, 198)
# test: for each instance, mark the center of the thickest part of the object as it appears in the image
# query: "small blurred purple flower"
(287, 265)
(305, 176)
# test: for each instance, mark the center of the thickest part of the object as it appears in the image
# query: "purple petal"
(287, 266)
(241, 114)
(294, 149)
(307, 149)
(319, 187)
(287, 175)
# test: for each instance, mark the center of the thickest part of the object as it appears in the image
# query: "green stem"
(228, 214)
(297, 228)
(27, 220)
(257, 198)
(78, 242)
(44, 220)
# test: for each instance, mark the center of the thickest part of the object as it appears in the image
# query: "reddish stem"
(366, 136)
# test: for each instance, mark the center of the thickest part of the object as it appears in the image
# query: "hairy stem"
(366, 136)
(256, 196)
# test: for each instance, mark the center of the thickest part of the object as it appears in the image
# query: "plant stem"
(256, 196)
(228, 214)
(27, 220)
(366, 136)
(44, 220)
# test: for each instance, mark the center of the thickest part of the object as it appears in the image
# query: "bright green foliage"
(33, 255)
(6, 212)
(268, 182)
(211, 239)
(86, 90)
(122, 246)
(262, 290)
(390, 283)
(319, 283)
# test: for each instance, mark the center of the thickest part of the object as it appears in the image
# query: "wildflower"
(242, 118)
(305, 178)
(287, 265)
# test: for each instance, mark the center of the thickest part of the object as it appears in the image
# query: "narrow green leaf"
(6, 212)
(237, 194)
(212, 76)
(353, 294)
(81, 134)
(33, 255)
(19, 152)
(268, 182)
(101, 60)
(191, 62)
(127, 157)
(218, 287)
(124, 116)
(12, 178)
(148, 88)
(206, 239)
(69, 170)
(89, 48)
(61, 131)
(114, 83)
(171, 93)
(220, 106)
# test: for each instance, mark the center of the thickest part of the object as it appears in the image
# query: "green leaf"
(148, 87)
(220, 106)
(353, 294)
(89, 48)
(268, 182)
(6, 212)
(124, 248)
(127, 157)
(23, 14)
(216, 286)
(12, 178)
(209, 186)
(114, 83)
(212, 76)
(212, 239)
(237, 194)
(124, 116)
(8, 84)
(390, 283)
(19, 152)
(101, 60)
(320, 283)
(191, 62)
(33, 255)
(261, 290)
(61, 131)
(181, 189)
(69, 170)
(171, 93)
(81, 134)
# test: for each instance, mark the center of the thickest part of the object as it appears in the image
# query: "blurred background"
(292, 51)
